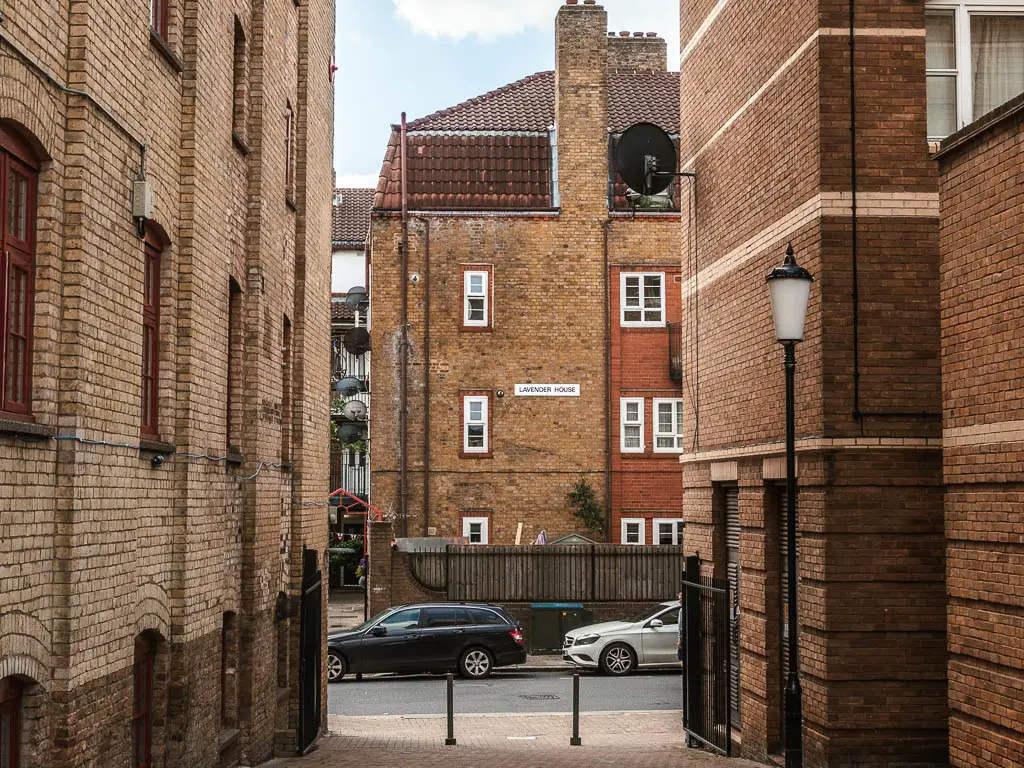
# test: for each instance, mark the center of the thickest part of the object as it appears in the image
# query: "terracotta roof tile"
(350, 217)
(341, 310)
(450, 168)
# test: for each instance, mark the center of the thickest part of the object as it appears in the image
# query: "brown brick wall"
(108, 545)
(768, 137)
(637, 54)
(981, 240)
(550, 283)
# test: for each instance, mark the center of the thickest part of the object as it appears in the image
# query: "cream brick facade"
(97, 543)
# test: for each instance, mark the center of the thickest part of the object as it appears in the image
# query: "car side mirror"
(379, 631)
(655, 623)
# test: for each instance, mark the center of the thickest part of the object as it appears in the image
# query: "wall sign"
(547, 390)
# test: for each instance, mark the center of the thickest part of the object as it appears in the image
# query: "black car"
(428, 637)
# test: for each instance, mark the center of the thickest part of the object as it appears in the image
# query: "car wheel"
(336, 666)
(618, 659)
(476, 663)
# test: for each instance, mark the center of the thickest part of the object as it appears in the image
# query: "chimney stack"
(581, 108)
(637, 52)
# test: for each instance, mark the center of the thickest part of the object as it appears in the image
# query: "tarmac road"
(519, 691)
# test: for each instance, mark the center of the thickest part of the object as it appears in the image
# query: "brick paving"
(619, 739)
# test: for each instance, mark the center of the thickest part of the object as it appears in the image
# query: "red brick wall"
(982, 238)
(768, 136)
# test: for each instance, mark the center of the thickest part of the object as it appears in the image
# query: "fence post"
(593, 572)
(575, 741)
(450, 741)
(694, 663)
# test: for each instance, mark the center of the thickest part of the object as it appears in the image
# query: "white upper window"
(475, 309)
(631, 431)
(974, 55)
(633, 530)
(475, 529)
(668, 532)
(474, 424)
(668, 425)
(642, 299)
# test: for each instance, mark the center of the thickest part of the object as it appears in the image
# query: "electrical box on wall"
(142, 200)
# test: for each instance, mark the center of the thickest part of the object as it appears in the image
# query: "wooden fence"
(578, 573)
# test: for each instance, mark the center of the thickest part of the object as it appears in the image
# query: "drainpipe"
(853, 223)
(404, 343)
(607, 391)
(426, 376)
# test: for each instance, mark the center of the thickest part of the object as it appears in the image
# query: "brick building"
(163, 401)
(981, 242)
(789, 145)
(526, 266)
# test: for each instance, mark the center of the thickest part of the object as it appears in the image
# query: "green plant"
(584, 506)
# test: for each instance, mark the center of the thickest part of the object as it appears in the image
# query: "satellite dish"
(349, 385)
(645, 158)
(354, 410)
(351, 431)
(357, 341)
(356, 295)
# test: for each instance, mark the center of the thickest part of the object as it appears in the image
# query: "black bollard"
(450, 741)
(575, 741)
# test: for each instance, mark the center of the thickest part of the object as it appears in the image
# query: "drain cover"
(538, 696)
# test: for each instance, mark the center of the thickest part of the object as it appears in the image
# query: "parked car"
(650, 639)
(473, 639)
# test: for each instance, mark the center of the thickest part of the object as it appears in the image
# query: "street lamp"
(790, 288)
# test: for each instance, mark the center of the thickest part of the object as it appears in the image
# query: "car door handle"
(458, 631)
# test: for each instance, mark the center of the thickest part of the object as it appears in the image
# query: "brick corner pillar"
(378, 580)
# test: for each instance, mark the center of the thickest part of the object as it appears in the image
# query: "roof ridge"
(415, 124)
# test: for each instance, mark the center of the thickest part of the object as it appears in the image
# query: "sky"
(424, 55)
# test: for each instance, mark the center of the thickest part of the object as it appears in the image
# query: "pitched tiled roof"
(341, 310)
(493, 151)
(350, 218)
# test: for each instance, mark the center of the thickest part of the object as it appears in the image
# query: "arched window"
(151, 335)
(18, 181)
(10, 723)
(144, 674)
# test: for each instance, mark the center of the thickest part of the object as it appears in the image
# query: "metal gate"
(732, 544)
(310, 649)
(707, 661)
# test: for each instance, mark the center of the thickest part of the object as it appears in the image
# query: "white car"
(650, 639)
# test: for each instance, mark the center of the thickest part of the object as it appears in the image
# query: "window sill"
(641, 326)
(240, 142)
(25, 427)
(227, 738)
(476, 328)
(149, 445)
(472, 455)
(165, 50)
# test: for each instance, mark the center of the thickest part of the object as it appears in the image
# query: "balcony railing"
(675, 351)
(351, 471)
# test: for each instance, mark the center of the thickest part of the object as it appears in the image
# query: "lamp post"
(790, 288)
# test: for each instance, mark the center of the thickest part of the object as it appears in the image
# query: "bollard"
(450, 741)
(575, 741)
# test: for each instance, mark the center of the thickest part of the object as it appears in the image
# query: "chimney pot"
(638, 34)
(623, 34)
(571, 2)
(590, 2)
(652, 34)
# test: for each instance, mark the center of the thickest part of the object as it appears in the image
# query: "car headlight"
(587, 639)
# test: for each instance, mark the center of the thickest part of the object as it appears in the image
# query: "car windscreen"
(648, 613)
(368, 622)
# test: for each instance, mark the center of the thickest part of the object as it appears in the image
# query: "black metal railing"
(707, 664)
(598, 573)
(675, 351)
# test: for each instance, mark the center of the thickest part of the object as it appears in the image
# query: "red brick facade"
(982, 239)
(769, 138)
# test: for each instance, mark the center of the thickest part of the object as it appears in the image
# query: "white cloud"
(357, 180)
(489, 20)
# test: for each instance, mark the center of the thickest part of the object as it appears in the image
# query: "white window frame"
(485, 421)
(643, 531)
(623, 424)
(962, 12)
(623, 277)
(677, 414)
(677, 529)
(466, 295)
(485, 532)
